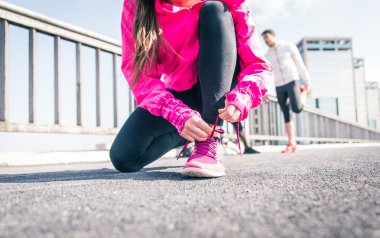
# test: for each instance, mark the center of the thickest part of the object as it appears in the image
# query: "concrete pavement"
(11, 158)
(313, 193)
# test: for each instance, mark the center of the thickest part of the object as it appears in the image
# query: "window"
(328, 104)
(372, 124)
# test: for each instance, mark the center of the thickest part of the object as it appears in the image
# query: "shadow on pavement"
(153, 173)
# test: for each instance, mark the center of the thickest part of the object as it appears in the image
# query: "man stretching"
(288, 67)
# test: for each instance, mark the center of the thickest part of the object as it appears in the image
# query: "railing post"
(3, 69)
(275, 119)
(32, 61)
(131, 102)
(114, 69)
(78, 56)
(56, 79)
(97, 69)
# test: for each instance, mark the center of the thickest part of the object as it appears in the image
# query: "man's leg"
(242, 134)
(282, 96)
(294, 93)
(289, 127)
(247, 148)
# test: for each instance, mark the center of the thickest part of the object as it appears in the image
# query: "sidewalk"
(45, 158)
(313, 193)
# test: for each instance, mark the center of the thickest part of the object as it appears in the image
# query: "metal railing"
(264, 124)
(37, 23)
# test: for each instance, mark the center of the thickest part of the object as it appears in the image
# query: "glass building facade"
(330, 64)
(361, 92)
(373, 104)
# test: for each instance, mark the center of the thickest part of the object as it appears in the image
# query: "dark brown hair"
(269, 31)
(146, 32)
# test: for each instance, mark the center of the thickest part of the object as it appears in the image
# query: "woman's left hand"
(229, 113)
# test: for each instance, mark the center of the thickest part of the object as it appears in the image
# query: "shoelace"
(220, 131)
(207, 149)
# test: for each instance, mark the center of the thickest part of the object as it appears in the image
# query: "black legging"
(292, 91)
(144, 137)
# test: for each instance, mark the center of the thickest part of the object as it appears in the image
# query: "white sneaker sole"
(201, 173)
(304, 98)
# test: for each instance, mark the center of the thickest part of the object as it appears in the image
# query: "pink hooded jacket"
(179, 71)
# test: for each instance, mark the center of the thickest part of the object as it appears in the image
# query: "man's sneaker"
(250, 150)
(205, 160)
(186, 153)
(303, 95)
(290, 148)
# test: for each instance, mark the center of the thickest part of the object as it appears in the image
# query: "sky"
(291, 19)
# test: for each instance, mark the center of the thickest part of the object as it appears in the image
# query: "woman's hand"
(196, 129)
(229, 113)
(266, 99)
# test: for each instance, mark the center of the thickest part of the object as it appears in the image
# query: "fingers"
(266, 99)
(195, 129)
(236, 115)
(232, 114)
(192, 137)
(187, 137)
(201, 128)
(222, 110)
(231, 109)
(198, 134)
(196, 137)
(204, 127)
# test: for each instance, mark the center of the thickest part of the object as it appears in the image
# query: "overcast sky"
(292, 19)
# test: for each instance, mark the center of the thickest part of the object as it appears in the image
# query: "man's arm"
(297, 58)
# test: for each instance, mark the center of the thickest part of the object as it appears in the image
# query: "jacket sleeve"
(256, 73)
(297, 58)
(150, 92)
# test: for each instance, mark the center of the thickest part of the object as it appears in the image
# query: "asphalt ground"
(312, 193)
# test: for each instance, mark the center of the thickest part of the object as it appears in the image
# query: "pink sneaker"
(205, 160)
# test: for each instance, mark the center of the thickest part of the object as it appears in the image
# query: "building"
(361, 92)
(373, 104)
(330, 64)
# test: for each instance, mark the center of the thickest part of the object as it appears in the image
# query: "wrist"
(182, 117)
(241, 102)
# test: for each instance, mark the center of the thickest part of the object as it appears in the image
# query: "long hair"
(146, 32)
(148, 39)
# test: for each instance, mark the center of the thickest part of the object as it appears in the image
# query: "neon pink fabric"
(179, 71)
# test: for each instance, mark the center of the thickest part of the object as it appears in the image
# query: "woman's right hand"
(196, 129)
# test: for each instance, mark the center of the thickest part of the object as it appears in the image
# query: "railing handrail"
(265, 122)
(328, 115)
(16, 14)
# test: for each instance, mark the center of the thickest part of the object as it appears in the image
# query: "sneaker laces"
(209, 149)
(203, 148)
